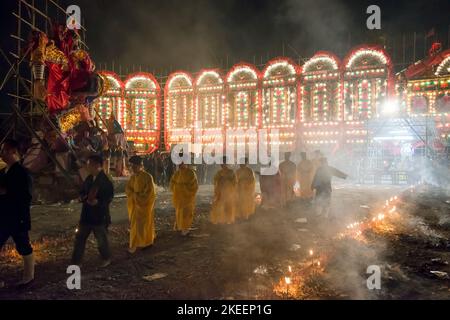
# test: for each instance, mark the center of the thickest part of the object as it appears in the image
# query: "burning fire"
(294, 285)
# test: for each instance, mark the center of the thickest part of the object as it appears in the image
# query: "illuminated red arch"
(267, 76)
(153, 86)
(204, 72)
(323, 54)
(243, 65)
(188, 77)
(388, 63)
(215, 87)
(113, 94)
(445, 61)
(144, 75)
(255, 77)
(114, 76)
(308, 70)
(274, 61)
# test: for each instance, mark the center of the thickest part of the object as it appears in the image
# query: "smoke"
(319, 24)
(155, 34)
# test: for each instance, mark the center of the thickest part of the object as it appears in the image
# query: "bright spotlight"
(390, 107)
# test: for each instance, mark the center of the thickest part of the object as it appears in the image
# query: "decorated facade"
(179, 109)
(210, 109)
(428, 93)
(321, 104)
(280, 101)
(368, 81)
(326, 104)
(140, 112)
(110, 102)
(243, 103)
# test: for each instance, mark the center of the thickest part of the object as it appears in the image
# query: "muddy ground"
(250, 259)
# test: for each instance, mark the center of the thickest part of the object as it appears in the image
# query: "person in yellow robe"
(305, 175)
(184, 186)
(246, 182)
(288, 171)
(141, 195)
(224, 204)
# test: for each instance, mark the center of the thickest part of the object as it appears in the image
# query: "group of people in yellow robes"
(234, 194)
(141, 195)
(234, 198)
(278, 190)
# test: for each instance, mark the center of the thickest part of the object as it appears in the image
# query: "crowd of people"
(72, 148)
(234, 198)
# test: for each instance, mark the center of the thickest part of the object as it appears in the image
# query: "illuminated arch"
(210, 107)
(367, 56)
(243, 96)
(444, 67)
(110, 102)
(322, 61)
(321, 89)
(281, 100)
(179, 80)
(368, 82)
(280, 67)
(209, 77)
(141, 115)
(179, 109)
(242, 72)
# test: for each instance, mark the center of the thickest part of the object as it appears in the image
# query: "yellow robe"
(288, 171)
(184, 186)
(224, 204)
(246, 181)
(141, 196)
(305, 175)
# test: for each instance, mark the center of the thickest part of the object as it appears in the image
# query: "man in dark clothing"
(96, 194)
(15, 202)
(322, 184)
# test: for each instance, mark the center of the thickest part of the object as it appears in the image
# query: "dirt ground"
(251, 259)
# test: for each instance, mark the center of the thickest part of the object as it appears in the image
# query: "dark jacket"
(16, 203)
(101, 189)
(322, 179)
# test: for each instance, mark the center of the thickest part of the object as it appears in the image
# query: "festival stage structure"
(179, 111)
(349, 106)
(111, 102)
(428, 95)
(243, 103)
(280, 101)
(141, 111)
(327, 103)
(321, 105)
(210, 110)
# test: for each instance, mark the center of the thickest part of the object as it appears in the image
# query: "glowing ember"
(311, 253)
(290, 269)
(287, 280)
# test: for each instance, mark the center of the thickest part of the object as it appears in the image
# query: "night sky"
(164, 35)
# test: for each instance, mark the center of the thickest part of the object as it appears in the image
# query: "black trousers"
(21, 239)
(100, 233)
